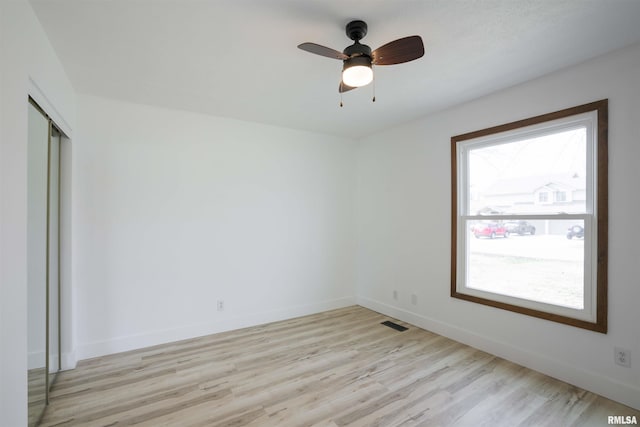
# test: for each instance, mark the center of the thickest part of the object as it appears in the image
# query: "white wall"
(175, 210)
(403, 208)
(29, 66)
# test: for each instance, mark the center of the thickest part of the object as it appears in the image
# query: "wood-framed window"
(512, 247)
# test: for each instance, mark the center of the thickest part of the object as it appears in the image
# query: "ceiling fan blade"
(398, 51)
(322, 51)
(344, 88)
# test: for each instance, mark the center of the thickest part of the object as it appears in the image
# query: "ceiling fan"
(358, 58)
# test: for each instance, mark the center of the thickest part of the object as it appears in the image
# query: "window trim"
(601, 215)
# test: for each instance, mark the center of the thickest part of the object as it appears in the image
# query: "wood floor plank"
(333, 369)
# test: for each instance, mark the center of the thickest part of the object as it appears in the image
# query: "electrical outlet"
(220, 305)
(395, 295)
(414, 299)
(622, 357)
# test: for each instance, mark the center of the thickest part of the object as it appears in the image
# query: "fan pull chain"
(340, 99)
(374, 89)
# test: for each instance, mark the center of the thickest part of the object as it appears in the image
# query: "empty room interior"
(319, 213)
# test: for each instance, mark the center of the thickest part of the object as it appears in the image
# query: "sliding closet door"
(37, 170)
(54, 255)
(43, 258)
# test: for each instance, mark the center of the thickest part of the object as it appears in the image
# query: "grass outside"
(548, 269)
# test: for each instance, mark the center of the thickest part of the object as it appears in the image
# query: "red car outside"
(490, 230)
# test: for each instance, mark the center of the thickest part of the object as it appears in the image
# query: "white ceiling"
(238, 58)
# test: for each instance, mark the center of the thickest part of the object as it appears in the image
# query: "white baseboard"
(69, 360)
(36, 359)
(599, 384)
(133, 342)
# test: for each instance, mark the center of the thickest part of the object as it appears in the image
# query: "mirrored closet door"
(43, 258)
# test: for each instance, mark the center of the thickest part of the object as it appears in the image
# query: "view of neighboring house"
(552, 193)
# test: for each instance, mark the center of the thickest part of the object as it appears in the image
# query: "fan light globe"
(357, 75)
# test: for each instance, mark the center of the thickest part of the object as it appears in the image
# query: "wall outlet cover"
(622, 357)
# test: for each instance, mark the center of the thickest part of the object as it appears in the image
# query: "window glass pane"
(539, 260)
(541, 175)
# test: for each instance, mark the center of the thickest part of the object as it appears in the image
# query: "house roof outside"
(520, 195)
(533, 184)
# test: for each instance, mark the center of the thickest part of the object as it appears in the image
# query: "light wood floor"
(338, 368)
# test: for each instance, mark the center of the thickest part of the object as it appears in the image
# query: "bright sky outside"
(560, 153)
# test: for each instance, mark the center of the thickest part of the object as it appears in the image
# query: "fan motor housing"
(357, 49)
